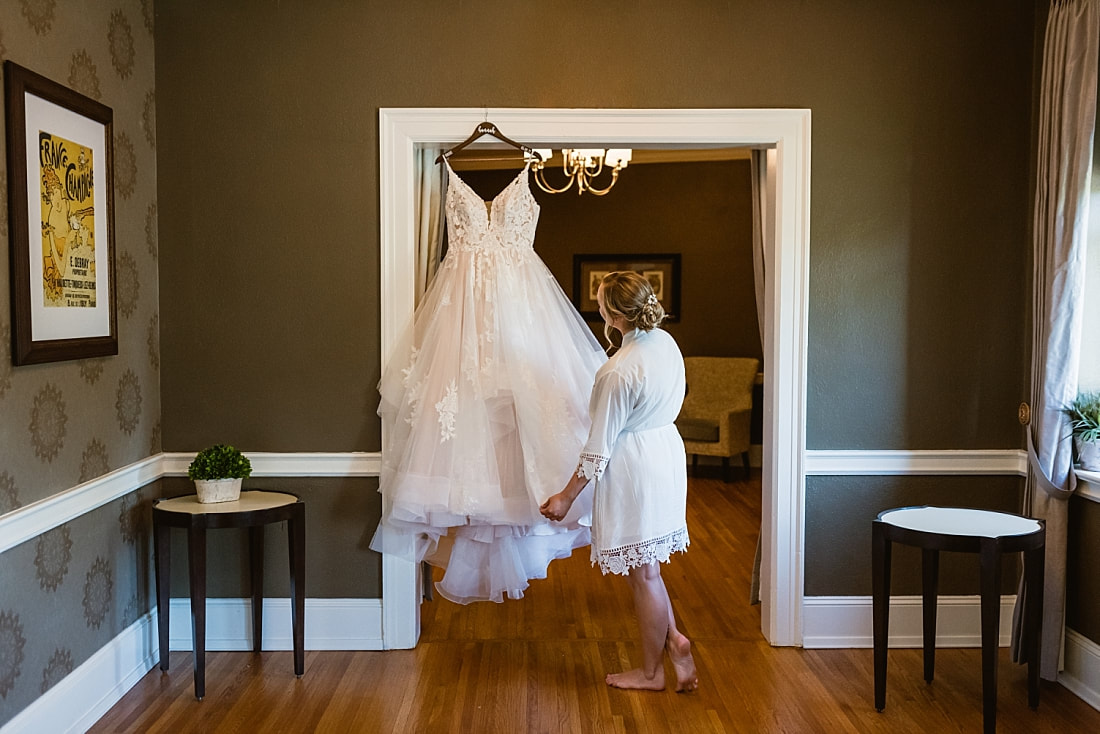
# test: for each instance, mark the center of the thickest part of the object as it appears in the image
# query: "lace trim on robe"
(621, 560)
(591, 466)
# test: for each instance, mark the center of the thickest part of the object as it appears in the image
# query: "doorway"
(401, 131)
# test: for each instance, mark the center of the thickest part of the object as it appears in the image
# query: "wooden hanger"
(488, 128)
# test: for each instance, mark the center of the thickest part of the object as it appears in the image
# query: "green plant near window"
(220, 462)
(1084, 417)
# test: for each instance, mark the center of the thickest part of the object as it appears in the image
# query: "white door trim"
(402, 130)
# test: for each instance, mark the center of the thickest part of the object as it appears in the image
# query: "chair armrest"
(735, 426)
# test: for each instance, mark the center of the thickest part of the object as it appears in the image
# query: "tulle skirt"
(484, 407)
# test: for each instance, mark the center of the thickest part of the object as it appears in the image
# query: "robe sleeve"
(611, 405)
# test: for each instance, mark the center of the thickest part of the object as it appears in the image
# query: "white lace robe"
(636, 454)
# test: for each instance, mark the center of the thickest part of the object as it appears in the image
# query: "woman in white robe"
(636, 457)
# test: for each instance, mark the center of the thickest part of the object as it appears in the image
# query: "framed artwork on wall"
(60, 220)
(661, 270)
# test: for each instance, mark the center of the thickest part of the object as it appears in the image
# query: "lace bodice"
(508, 224)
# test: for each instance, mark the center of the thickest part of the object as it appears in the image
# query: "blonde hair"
(629, 295)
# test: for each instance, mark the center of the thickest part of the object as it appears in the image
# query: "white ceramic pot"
(1088, 455)
(218, 490)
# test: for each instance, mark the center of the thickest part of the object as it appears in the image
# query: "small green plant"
(1084, 417)
(220, 462)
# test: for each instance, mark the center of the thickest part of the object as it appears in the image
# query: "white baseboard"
(85, 694)
(845, 621)
(331, 624)
(1082, 671)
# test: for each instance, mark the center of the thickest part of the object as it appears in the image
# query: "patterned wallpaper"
(71, 590)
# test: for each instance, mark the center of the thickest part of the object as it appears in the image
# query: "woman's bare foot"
(679, 651)
(637, 679)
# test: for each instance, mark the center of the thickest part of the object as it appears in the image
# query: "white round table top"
(960, 521)
(249, 502)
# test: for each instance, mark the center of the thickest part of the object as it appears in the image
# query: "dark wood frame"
(586, 266)
(18, 83)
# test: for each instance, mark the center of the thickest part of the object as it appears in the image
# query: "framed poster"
(60, 220)
(661, 270)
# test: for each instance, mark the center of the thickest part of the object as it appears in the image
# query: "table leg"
(880, 573)
(296, 536)
(256, 563)
(929, 592)
(162, 546)
(991, 617)
(196, 552)
(1034, 572)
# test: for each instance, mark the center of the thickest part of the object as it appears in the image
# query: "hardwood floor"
(537, 665)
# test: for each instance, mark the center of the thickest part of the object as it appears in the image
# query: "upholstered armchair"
(716, 417)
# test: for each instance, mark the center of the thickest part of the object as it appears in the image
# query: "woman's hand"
(556, 507)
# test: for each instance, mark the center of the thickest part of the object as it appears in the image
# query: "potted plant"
(1084, 419)
(218, 472)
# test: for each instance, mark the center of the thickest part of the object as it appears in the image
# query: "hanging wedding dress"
(484, 407)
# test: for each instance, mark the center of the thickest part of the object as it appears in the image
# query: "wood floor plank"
(538, 665)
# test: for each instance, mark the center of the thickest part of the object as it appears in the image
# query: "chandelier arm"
(603, 191)
(541, 181)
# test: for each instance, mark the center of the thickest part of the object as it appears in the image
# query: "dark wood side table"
(253, 510)
(987, 533)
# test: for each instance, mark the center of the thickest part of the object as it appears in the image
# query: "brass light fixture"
(581, 166)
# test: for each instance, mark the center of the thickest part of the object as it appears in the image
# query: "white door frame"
(402, 130)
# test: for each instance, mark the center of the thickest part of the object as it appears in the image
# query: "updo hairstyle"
(629, 295)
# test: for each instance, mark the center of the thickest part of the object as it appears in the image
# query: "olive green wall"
(701, 210)
(269, 209)
(339, 563)
(838, 543)
(1082, 571)
(919, 227)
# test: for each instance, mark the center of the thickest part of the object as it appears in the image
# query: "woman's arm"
(556, 507)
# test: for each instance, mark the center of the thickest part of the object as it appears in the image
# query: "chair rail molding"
(30, 521)
(884, 463)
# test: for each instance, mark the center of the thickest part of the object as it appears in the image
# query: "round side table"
(987, 533)
(253, 510)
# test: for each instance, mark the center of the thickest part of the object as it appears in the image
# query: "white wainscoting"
(845, 621)
(1088, 484)
(85, 694)
(36, 518)
(331, 624)
(32, 520)
(1082, 668)
(985, 462)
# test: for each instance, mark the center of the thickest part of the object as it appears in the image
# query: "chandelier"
(581, 167)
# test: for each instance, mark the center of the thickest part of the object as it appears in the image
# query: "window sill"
(1088, 484)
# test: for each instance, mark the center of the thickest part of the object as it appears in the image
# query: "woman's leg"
(652, 607)
(679, 651)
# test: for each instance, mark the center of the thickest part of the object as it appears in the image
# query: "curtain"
(763, 243)
(430, 181)
(1067, 115)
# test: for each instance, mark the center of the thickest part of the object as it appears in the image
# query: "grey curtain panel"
(431, 184)
(1067, 116)
(763, 242)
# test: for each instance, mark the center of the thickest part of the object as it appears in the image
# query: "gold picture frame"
(661, 269)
